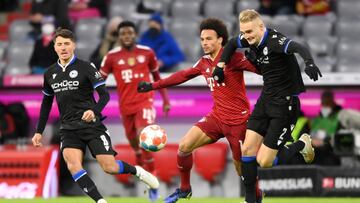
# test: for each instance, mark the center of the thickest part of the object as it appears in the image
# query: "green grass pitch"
(193, 200)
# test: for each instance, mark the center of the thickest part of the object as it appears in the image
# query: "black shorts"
(274, 119)
(97, 139)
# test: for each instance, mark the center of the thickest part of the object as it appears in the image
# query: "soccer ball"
(153, 138)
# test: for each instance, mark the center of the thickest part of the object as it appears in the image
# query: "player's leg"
(101, 148)
(73, 149)
(131, 135)
(142, 119)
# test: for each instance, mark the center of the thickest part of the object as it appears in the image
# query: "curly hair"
(218, 26)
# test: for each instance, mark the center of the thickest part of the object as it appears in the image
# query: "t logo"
(126, 75)
(211, 83)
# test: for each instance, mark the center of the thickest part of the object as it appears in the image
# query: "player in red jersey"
(231, 109)
(130, 64)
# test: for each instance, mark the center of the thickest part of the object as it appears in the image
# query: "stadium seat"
(210, 160)
(246, 4)
(185, 9)
(17, 69)
(3, 47)
(84, 49)
(166, 163)
(325, 64)
(12, 16)
(348, 48)
(125, 153)
(211, 9)
(348, 28)
(183, 28)
(191, 47)
(313, 28)
(348, 65)
(19, 53)
(348, 8)
(123, 8)
(19, 30)
(161, 6)
(322, 45)
(89, 29)
(285, 25)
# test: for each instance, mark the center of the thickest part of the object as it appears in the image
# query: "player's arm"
(239, 61)
(174, 79)
(311, 69)
(163, 93)
(105, 67)
(228, 51)
(45, 109)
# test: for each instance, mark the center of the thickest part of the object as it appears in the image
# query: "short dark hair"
(65, 33)
(126, 23)
(218, 26)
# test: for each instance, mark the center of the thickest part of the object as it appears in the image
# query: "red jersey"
(231, 105)
(129, 68)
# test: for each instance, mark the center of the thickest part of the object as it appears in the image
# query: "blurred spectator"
(109, 42)
(80, 9)
(163, 43)
(40, 9)
(277, 7)
(312, 7)
(43, 54)
(324, 127)
(8, 5)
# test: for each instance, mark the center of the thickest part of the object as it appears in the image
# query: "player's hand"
(88, 116)
(166, 108)
(312, 71)
(144, 86)
(36, 140)
(218, 73)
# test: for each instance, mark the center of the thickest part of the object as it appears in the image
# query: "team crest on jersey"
(54, 75)
(131, 61)
(73, 74)
(121, 62)
(265, 51)
(140, 58)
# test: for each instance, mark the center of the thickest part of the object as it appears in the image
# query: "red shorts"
(138, 120)
(215, 129)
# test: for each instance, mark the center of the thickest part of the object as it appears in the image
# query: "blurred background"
(330, 28)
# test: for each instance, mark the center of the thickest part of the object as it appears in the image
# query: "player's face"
(64, 48)
(210, 42)
(252, 31)
(127, 36)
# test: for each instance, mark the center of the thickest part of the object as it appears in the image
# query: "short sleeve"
(279, 43)
(106, 66)
(95, 76)
(153, 65)
(47, 89)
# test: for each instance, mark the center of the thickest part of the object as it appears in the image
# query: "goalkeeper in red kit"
(231, 109)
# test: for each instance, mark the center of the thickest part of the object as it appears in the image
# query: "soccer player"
(231, 107)
(73, 81)
(275, 113)
(131, 63)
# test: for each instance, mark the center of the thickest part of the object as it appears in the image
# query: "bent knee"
(110, 168)
(264, 163)
(184, 147)
(74, 167)
(248, 151)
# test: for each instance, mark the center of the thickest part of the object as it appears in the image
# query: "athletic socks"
(185, 162)
(125, 168)
(148, 161)
(286, 152)
(249, 171)
(87, 185)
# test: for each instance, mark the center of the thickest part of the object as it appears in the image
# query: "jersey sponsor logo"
(131, 61)
(73, 74)
(212, 84)
(65, 85)
(140, 58)
(127, 75)
(121, 62)
(54, 75)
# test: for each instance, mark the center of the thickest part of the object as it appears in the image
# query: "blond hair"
(249, 15)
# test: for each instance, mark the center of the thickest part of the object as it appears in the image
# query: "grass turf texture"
(193, 200)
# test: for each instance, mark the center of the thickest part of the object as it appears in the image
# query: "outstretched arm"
(311, 69)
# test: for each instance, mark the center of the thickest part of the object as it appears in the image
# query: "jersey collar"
(264, 37)
(72, 60)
